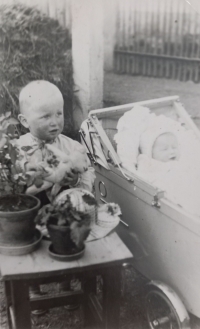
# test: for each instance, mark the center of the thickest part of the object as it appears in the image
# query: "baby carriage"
(163, 237)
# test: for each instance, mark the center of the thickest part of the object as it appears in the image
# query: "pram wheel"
(164, 308)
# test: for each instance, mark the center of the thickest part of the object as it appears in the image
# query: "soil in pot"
(17, 214)
(61, 240)
(17, 202)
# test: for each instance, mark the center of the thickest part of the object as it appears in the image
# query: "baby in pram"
(163, 153)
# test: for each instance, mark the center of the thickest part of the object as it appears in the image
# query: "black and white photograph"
(100, 164)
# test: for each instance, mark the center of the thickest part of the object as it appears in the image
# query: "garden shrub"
(33, 46)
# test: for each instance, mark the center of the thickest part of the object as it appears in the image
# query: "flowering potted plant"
(68, 219)
(17, 210)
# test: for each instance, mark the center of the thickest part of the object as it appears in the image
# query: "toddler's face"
(46, 121)
(165, 148)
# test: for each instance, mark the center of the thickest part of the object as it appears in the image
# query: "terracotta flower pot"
(17, 228)
(61, 240)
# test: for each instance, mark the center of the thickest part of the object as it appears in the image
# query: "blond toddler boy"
(41, 111)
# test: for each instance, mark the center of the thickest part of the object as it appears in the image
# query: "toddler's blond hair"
(36, 93)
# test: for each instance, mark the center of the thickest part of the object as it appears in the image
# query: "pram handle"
(90, 153)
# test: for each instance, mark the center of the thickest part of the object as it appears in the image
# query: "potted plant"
(17, 210)
(68, 219)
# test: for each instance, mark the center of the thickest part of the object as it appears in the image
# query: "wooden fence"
(159, 39)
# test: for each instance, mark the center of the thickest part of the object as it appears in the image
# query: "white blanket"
(179, 179)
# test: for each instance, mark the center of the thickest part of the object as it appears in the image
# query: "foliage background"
(34, 46)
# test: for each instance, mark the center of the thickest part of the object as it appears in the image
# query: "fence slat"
(144, 38)
(135, 35)
(192, 54)
(176, 40)
(157, 38)
(164, 33)
(118, 37)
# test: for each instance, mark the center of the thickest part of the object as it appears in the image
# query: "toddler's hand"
(39, 167)
(34, 190)
(59, 173)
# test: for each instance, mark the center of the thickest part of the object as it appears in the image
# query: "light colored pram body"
(164, 239)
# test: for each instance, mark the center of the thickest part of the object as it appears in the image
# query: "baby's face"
(46, 120)
(165, 148)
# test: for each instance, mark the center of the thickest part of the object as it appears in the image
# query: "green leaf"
(8, 188)
(38, 182)
(5, 125)
(42, 218)
(13, 153)
(3, 141)
(7, 114)
(20, 157)
(30, 177)
(13, 121)
(61, 221)
(11, 131)
(2, 118)
(89, 200)
(26, 148)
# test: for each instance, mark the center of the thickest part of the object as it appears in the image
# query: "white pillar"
(87, 55)
(110, 24)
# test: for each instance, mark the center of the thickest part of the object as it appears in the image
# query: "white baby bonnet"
(158, 126)
(130, 127)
